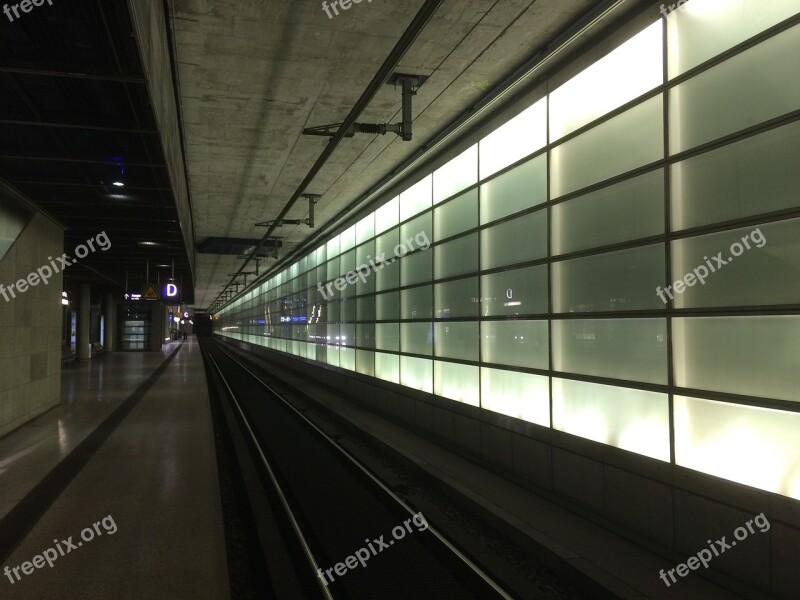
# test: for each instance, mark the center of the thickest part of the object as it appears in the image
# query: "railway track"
(328, 527)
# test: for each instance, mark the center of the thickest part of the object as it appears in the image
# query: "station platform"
(117, 486)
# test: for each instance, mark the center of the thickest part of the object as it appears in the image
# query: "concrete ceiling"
(254, 73)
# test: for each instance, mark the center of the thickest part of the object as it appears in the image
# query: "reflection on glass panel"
(388, 306)
(416, 338)
(387, 215)
(417, 303)
(754, 446)
(613, 281)
(384, 244)
(416, 234)
(633, 420)
(577, 163)
(752, 356)
(632, 349)
(522, 187)
(457, 340)
(761, 266)
(520, 395)
(702, 30)
(456, 298)
(387, 367)
(387, 277)
(516, 292)
(347, 358)
(515, 343)
(457, 215)
(515, 241)
(387, 336)
(458, 174)
(416, 198)
(749, 88)
(347, 334)
(628, 210)
(416, 373)
(365, 362)
(753, 176)
(624, 74)
(523, 135)
(457, 382)
(365, 228)
(416, 268)
(456, 257)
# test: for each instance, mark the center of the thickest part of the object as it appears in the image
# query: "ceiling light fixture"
(118, 184)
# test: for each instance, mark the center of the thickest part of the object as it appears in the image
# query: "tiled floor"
(153, 479)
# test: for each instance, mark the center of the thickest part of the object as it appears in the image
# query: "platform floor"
(132, 443)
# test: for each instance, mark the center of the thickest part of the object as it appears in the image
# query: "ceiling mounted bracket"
(312, 200)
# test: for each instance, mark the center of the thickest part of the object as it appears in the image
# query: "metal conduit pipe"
(392, 60)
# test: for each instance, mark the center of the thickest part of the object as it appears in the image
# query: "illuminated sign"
(294, 319)
(171, 290)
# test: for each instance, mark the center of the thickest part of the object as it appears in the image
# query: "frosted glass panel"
(633, 420)
(523, 135)
(416, 198)
(456, 298)
(387, 215)
(417, 303)
(457, 382)
(385, 245)
(388, 277)
(347, 239)
(347, 261)
(347, 358)
(458, 174)
(624, 74)
(702, 30)
(416, 338)
(747, 444)
(517, 292)
(388, 306)
(578, 163)
(628, 210)
(457, 340)
(519, 395)
(515, 343)
(613, 281)
(456, 257)
(745, 90)
(457, 215)
(365, 362)
(519, 240)
(751, 356)
(416, 373)
(633, 349)
(756, 175)
(387, 367)
(387, 336)
(417, 234)
(366, 308)
(365, 228)
(333, 250)
(333, 271)
(522, 187)
(769, 274)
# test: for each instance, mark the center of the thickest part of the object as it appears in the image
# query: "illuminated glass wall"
(529, 275)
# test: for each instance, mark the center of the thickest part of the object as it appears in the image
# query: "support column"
(110, 327)
(83, 345)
